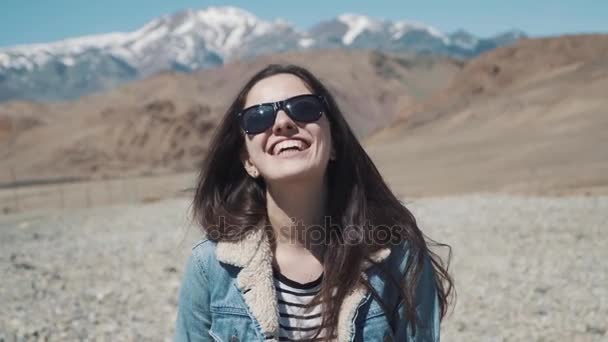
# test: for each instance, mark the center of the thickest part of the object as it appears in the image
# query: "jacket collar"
(253, 255)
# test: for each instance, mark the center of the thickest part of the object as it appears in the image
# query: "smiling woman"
(295, 121)
(304, 240)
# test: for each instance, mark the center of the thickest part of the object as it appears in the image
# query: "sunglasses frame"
(281, 105)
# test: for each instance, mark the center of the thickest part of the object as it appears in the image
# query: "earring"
(254, 173)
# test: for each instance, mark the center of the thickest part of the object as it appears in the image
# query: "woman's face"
(263, 157)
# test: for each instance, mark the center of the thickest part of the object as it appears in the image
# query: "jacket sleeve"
(193, 318)
(427, 310)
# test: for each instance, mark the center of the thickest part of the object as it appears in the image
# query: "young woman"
(304, 240)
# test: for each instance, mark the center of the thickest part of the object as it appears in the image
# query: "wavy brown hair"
(228, 203)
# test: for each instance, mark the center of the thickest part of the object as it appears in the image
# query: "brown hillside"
(530, 118)
(163, 124)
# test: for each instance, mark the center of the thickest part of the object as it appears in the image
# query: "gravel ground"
(526, 269)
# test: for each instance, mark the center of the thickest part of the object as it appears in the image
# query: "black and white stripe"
(296, 322)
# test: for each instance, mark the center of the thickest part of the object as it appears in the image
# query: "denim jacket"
(227, 294)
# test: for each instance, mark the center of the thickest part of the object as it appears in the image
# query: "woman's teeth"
(288, 152)
(292, 145)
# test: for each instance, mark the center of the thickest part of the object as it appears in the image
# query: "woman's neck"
(296, 210)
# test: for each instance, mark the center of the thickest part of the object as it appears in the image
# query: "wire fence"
(20, 196)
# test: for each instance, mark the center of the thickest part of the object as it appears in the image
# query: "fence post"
(15, 193)
(109, 181)
(87, 194)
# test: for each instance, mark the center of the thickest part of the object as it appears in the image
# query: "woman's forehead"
(276, 88)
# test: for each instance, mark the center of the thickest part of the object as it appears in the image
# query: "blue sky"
(31, 21)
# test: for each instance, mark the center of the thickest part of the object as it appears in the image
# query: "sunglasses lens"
(305, 108)
(258, 119)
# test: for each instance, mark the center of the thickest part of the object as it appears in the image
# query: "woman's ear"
(332, 154)
(251, 169)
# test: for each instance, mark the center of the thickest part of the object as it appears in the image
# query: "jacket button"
(234, 338)
(388, 338)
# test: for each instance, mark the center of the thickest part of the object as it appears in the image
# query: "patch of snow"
(4, 60)
(149, 38)
(465, 44)
(306, 42)
(400, 28)
(21, 62)
(356, 25)
(185, 56)
(73, 45)
(122, 52)
(226, 16)
(262, 27)
(186, 27)
(68, 61)
(235, 37)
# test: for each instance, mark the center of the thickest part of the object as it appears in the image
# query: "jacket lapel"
(253, 255)
(255, 280)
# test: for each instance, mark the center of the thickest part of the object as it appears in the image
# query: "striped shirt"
(296, 322)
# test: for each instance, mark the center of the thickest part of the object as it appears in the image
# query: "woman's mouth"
(289, 148)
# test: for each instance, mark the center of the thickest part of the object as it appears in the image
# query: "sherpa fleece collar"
(255, 280)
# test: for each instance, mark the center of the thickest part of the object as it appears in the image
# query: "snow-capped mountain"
(187, 38)
(358, 26)
(193, 39)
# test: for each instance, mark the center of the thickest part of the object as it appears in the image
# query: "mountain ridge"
(190, 39)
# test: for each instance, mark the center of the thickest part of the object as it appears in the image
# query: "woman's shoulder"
(400, 253)
(203, 251)
(404, 253)
(202, 244)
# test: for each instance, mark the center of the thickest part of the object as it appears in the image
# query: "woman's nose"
(283, 123)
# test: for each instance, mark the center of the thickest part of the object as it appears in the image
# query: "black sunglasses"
(302, 108)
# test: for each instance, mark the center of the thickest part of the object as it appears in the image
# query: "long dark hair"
(358, 200)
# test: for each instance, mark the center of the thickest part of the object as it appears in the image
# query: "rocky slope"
(163, 124)
(528, 118)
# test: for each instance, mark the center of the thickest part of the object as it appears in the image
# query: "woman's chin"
(295, 171)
